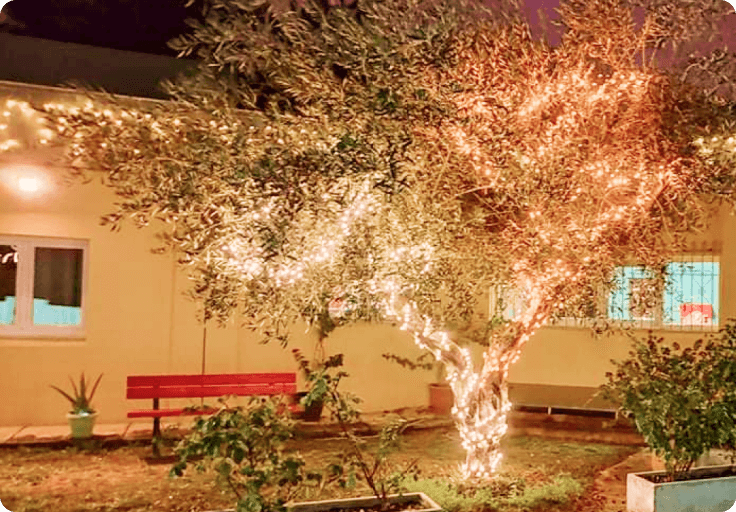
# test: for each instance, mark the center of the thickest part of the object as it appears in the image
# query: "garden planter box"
(712, 489)
(416, 501)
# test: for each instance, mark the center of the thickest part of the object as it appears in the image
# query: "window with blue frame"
(688, 297)
(685, 296)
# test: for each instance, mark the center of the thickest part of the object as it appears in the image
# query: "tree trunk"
(480, 413)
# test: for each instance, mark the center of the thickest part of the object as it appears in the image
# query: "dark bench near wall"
(577, 400)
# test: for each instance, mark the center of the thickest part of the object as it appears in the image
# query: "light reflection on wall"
(24, 180)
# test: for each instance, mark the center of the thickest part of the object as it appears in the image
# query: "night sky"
(146, 25)
(138, 25)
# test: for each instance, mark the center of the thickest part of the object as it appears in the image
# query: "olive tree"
(398, 159)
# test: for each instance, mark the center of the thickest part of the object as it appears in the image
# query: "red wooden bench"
(199, 386)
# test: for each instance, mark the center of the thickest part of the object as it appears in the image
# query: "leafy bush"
(559, 491)
(449, 498)
(682, 401)
(374, 466)
(321, 376)
(245, 446)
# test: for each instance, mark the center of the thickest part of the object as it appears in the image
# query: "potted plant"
(683, 402)
(313, 398)
(333, 312)
(441, 398)
(82, 417)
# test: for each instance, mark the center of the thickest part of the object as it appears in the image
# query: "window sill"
(570, 323)
(43, 334)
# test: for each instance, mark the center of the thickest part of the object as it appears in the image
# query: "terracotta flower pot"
(441, 399)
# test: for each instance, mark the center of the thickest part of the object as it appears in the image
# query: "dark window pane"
(57, 286)
(8, 275)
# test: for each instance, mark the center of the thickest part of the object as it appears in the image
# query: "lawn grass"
(536, 474)
(505, 493)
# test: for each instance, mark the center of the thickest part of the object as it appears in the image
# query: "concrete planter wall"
(360, 503)
(714, 457)
(711, 494)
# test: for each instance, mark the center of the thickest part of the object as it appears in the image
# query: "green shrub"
(504, 491)
(245, 447)
(448, 497)
(682, 401)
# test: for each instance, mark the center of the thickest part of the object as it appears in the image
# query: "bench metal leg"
(156, 438)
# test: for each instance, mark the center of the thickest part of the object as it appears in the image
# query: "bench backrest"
(195, 386)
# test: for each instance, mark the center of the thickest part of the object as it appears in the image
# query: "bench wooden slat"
(199, 391)
(160, 413)
(152, 413)
(211, 380)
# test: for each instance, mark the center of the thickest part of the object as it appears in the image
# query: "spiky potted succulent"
(82, 417)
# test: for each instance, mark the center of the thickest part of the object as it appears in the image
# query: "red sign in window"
(696, 314)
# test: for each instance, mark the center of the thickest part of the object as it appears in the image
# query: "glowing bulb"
(28, 184)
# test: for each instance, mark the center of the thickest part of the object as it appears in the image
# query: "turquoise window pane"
(514, 301)
(46, 314)
(691, 294)
(57, 286)
(7, 311)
